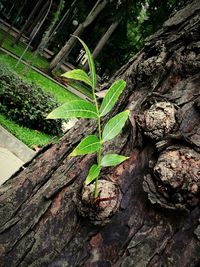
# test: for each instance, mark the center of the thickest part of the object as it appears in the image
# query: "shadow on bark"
(40, 224)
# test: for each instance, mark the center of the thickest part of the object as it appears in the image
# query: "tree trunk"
(41, 222)
(66, 49)
(33, 28)
(47, 34)
(62, 21)
(103, 41)
(27, 23)
(6, 34)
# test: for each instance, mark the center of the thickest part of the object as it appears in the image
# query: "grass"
(81, 87)
(37, 61)
(59, 93)
(28, 136)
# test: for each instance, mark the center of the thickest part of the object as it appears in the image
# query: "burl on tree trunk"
(157, 222)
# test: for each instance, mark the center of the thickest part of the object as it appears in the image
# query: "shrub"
(26, 103)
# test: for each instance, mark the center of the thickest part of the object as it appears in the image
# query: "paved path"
(13, 154)
(9, 164)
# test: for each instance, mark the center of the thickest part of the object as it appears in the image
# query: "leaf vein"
(111, 98)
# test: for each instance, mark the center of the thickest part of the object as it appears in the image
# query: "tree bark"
(62, 21)
(40, 222)
(66, 49)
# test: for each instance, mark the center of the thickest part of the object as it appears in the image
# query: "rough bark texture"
(40, 222)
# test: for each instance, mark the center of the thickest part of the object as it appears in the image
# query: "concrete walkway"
(13, 154)
(9, 164)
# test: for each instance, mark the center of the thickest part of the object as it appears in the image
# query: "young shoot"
(84, 109)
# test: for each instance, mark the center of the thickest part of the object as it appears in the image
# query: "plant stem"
(100, 139)
(98, 158)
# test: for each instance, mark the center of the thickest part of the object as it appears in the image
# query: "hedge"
(26, 103)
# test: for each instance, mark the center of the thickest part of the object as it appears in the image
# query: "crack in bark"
(59, 232)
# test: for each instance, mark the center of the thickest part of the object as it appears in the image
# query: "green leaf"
(88, 145)
(93, 173)
(112, 160)
(114, 126)
(74, 109)
(78, 75)
(111, 97)
(90, 62)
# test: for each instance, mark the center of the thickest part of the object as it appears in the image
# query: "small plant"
(83, 109)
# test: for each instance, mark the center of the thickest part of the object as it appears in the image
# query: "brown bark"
(40, 222)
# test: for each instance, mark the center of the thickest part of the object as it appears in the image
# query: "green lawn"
(27, 136)
(60, 94)
(37, 61)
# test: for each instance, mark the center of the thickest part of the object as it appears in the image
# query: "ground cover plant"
(60, 94)
(26, 103)
(30, 137)
(83, 109)
(34, 60)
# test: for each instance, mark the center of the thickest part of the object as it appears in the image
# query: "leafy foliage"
(26, 103)
(112, 96)
(88, 145)
(114, 126)
(92, 143)
(90, 63)
(74, 109)
(93, 173)
(78, 75)
(112, 160)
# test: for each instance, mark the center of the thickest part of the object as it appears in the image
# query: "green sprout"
(84, 109)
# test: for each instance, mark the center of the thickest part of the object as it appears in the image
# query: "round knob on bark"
(158, 120)
(100, 210)
(176, 181)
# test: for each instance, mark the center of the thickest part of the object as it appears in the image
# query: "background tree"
(48, 32)
(98, 7)
(41, 221)
(28, 21)
(138, 19)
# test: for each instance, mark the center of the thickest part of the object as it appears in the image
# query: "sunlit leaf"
(112, 160)
(112, 96)
(90, 62)
(114, 126)
(74, 109)
(88, 145)
(93, 174)
(78, 75)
